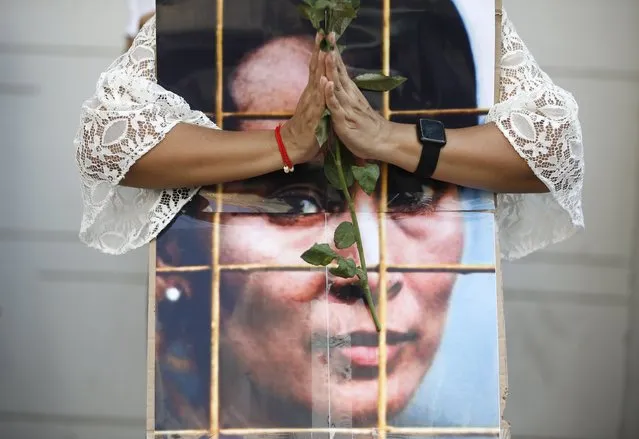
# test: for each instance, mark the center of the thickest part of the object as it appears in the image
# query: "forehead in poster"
(292, 347)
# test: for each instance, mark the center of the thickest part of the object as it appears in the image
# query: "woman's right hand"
(298, 133)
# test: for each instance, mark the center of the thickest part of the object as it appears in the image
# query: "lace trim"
(128, 116)
(540, 120)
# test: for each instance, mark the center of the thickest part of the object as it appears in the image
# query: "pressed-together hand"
(298, 133)
(360, 128)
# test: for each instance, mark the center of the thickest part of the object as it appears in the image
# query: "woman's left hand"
(360, 128)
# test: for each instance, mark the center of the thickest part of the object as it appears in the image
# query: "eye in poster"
(247, 339)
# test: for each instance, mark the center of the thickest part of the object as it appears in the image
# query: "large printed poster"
(246, 339)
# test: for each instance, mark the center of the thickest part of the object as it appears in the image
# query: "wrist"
(293, 149)
(402, 148)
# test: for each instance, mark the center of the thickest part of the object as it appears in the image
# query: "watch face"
(432, 131)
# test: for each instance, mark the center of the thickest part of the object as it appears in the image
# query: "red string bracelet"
(288, 164)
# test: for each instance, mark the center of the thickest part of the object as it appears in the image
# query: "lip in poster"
(246, 339)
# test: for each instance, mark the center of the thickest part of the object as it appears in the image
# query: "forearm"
(478, 157)
(191, 156)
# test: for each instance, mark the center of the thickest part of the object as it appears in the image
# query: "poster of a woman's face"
(247, 335)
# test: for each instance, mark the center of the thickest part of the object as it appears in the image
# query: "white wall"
(72, 326)
(567, 308)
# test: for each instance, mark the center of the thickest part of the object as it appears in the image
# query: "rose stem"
(358, 238)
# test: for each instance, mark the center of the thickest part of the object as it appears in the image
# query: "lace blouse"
(130, 113)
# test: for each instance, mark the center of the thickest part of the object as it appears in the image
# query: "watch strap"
(428, 160)
(432, 136)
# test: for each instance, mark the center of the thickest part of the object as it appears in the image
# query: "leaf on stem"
(348, 161)
(319, 255)
(336, 15)
(321, 132)
(362, 275)
(341, 18)
(378, 81)
(344, 235)
(367, 176)
(315, 16)
(345, 268)
(324, 4)
(331, 169)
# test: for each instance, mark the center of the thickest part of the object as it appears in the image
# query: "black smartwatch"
(432, 136)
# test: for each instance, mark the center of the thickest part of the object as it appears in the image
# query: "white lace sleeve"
(128, 115)
(541, 122)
